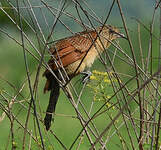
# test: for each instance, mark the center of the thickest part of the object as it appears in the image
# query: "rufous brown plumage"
(74, 54)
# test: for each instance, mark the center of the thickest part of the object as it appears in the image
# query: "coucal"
(74, 54)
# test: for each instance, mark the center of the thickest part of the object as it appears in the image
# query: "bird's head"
(111, 32)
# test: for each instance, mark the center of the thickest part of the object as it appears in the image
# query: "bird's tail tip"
(47, 121)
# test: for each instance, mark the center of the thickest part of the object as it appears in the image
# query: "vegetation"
(119, 108)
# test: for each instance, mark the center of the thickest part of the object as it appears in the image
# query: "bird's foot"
(86, 76)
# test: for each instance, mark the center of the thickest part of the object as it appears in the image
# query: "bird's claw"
(86, 76)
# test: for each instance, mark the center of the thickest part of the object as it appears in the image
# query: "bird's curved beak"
(121, 35)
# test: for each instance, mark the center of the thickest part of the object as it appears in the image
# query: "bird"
(73, 55)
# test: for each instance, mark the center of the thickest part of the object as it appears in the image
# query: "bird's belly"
(75, 68)
(87, 62)
(90, 58)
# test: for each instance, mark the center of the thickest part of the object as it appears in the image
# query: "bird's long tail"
(55, 90)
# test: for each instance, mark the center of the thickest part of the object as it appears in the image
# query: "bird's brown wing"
(69, 50)
(83, 40)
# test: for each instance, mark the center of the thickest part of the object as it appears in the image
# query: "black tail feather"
(55, 90)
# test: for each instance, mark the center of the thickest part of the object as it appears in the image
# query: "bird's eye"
(111, 31)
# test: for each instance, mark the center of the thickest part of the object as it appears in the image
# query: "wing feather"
(83, 41)
(69, 50)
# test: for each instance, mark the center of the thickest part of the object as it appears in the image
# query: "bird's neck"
(102, 44)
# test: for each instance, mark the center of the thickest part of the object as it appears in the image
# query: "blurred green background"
(12, 69)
